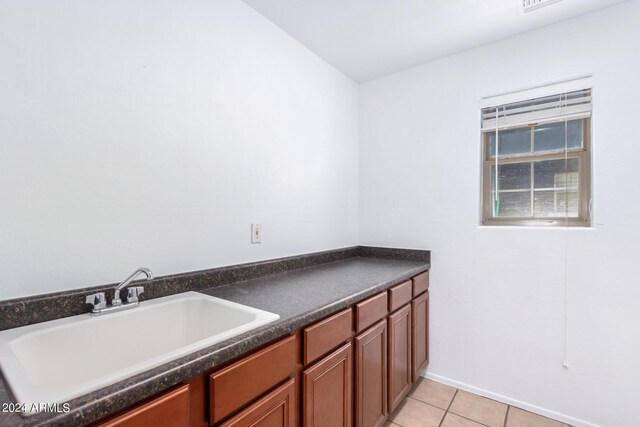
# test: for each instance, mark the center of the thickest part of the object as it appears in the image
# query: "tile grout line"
(462, 416)
(455, 394)
(562, 424)
(469, 419)
(425, 403)
(408, 396)
(506, 416)
(452, 399)
(446, 411)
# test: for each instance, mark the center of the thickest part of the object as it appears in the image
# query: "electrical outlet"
(256, 233)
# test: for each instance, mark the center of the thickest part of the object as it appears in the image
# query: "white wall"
(497, 294)
(154, 132)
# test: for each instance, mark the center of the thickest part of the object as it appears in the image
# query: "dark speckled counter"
(300, 297)
(322, 290)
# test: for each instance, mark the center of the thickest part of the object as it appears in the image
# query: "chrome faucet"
(99, 301)
(136, 290)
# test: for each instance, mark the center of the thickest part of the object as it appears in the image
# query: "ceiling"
(366, 39)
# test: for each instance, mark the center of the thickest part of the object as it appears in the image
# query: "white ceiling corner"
(366, 39)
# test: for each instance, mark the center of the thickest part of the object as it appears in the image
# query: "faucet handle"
(134, 292)
(97, 300)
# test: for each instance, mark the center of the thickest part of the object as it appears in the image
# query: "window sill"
(534, 227)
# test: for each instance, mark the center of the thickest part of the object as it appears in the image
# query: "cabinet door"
(399, 355)
(327, 390)
(277, 409)
(420, 335)
(371, 376)
(169, 410)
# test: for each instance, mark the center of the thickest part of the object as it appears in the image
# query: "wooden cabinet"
(420, 335)
(169, 410)
(327, 390)
(277, 409)
(399, 376)
(371, 376)
(243, 381)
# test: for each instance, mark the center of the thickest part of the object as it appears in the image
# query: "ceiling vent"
(529, 5)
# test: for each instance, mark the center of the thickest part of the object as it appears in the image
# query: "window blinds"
(554, 108)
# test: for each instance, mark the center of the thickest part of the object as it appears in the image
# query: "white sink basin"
(53, 362)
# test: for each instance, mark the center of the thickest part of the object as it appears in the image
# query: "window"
(536, 161)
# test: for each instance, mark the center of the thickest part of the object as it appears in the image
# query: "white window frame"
(582, 154)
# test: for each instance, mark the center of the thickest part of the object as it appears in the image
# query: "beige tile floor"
(432, 404)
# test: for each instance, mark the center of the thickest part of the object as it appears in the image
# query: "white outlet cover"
(256, 233)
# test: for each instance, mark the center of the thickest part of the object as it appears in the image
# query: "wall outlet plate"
(256, 233)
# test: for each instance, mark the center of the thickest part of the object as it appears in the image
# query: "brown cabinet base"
(327, 391)
(399, 355)
(371, 376)
(420, 335)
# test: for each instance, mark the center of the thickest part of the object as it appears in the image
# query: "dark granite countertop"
(300, 297)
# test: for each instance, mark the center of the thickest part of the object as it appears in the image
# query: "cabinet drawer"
(370, 311)
(245, 380)
(327, 335)
(400, 295)
(275, 409)
(170, 410)
(420, 283)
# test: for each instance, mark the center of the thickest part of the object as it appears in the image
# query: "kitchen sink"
(55, 361)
